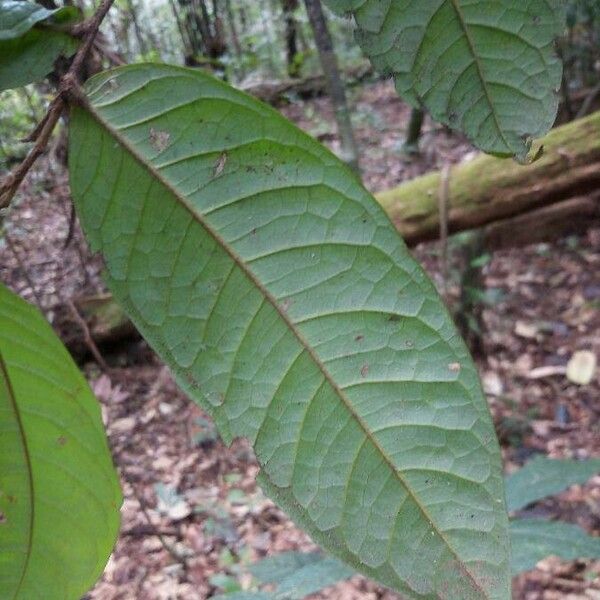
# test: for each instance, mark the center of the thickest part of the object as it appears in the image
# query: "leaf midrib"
(13, 401)
(153, 172)
(479, 67)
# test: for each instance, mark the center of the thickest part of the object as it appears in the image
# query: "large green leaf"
(283, 299)
(59, 495)
(28, 48)
(485, 67)
(535, 539)
(542, 477)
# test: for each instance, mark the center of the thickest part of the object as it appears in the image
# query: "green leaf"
(18, 17)
(275, 568)
(485, 67)
(535, 539)
(542, 477)
(28, 48)
(285, 303)
(245, 596)
(59, 494)
(313, 578)
(299, 574)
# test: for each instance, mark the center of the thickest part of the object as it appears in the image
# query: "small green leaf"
(59, 494)
(246, 596)
(299, 574)
(18, 17)
(485, 67)
(275, 568)
(535, 539)
(281, 296)
(313, 578)
(28, 46)
(542, 477)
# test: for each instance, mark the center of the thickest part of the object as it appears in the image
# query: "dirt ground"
(192, 509)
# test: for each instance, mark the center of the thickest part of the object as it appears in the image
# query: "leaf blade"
(18, 17)
(541, 477)
(28, 47)
(56, 474)
(535, 539)
(486, 68)
(235, 270)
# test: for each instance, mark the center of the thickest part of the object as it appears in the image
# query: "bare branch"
(42, 133)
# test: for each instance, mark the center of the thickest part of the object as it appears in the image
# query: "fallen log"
(487, 189)
(557, 195)
(276, 92)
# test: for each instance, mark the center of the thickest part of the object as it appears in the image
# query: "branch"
(41, 134)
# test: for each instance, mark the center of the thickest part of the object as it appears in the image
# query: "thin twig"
(177, 556)
(43, 131)
(443, 206)
(11, 246)
(87, 336)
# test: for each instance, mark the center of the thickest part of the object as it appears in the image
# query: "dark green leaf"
(28, 48)
(535, 539)
(18, 17)
(543, 477)
(281, 296)
(32, 57)
(59, 495)
(275, 568)
(313, 578)
(485, 67)
(245, 596)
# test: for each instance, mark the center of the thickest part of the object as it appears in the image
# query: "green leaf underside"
(246, 596)
(284, 301)
(299, 574)
(485, 67)
(27, 48)
(17, 17)
(59, 495)
(274, 569)
(535, 539)
(542, 477)
(31, 57)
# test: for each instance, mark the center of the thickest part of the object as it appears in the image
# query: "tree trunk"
(335, 86)
(185, 40)
(142, 47)
(487, 189)
(413, 134)
(515, 205)
(235, 39)
(291, 38)
(278, 91)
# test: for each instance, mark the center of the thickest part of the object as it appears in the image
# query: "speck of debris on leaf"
(159, 139)
(220, 164)
(62, 440)
(364, 371)
(454, 367)
(2, 518)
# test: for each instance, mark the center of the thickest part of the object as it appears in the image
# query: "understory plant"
(279, 294)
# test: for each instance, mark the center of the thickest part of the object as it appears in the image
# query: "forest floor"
(192, 509)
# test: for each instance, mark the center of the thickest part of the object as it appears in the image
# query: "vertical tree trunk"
(185, 40)
(413, 133)
(334, 83)
(291, 37)
(235, 39)
(143, 48)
